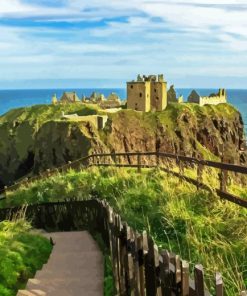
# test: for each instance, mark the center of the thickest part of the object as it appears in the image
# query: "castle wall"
(98, 121)
(158, 96)
(138, 96)
(213, 100)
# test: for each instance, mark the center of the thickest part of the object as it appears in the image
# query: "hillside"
(192, 223)
(35, 138)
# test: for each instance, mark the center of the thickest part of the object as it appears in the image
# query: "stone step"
(75, 268)
(34, 292)
(80, 261)
(52, 285)
(76, 241)
(76, 273)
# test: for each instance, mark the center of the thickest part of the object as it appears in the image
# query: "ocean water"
(10, 99)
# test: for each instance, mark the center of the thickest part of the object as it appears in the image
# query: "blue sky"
(195, 43)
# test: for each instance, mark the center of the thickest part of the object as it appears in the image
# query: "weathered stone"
(171, 95)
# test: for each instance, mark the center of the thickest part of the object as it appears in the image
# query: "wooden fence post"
(141, 265)
(138, 162)
(224, 173)
(129, 264)
(185, 287)
(165, 273)
(157, 159)
(199, 280)
(157, 270)
(199, 174)
(114, 158)
(223, 180)
(219, 284)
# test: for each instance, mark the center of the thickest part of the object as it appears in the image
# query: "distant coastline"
(10, 99)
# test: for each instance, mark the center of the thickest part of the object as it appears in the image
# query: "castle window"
(155, 90)
(157, 98)
(140, 95)
(131, 86)
(136, 107)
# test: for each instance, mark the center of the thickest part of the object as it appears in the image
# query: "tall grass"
(21, 254)
(193, 223)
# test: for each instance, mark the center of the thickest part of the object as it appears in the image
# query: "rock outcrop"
(33, 143)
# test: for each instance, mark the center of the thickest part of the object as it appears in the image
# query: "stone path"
(75, 268)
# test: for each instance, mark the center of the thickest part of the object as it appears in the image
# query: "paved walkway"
(75, 268)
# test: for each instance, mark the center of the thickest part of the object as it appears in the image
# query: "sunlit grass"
(21, 254)
(193, 223)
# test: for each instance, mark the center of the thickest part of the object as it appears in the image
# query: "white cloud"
(156, 36)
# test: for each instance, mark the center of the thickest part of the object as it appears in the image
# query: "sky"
(90, 43)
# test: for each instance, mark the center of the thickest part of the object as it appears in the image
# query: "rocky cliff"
(35, 138)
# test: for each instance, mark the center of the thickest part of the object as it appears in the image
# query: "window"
(155, 90)
(140, 95)
(157, 98)
(131, 86)
(136, 107)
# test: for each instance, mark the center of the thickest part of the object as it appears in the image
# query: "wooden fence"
(153, 159)
(138, 266)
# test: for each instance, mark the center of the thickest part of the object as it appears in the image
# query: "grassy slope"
(21, 254)
(195, 224)
(43, 113)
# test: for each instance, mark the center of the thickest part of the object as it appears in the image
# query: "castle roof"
(113, 97)
(70, 97)
(194, 97)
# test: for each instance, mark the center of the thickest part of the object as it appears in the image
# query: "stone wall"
(213, 100)
(138, 96)
(98, 121)
(158, 96)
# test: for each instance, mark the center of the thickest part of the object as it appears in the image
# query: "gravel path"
(75, 268)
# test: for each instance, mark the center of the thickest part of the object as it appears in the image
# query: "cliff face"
(184, 129)
(56, 143)
(33, 143)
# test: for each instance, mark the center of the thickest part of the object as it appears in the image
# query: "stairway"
(75, 268)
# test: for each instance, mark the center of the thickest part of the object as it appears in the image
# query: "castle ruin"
(147, 93)
(212, 99)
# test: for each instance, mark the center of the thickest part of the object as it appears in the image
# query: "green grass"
(21, 254)
(195, 224)
(41, 113)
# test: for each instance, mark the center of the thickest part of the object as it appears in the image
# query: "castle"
(212, 99)
(112, 101)
(147, 93)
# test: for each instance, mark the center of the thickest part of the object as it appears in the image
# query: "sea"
(10, 99)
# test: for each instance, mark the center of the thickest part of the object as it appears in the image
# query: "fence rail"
(139, 268)
(135, 160)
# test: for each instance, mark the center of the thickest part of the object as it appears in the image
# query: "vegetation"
(43, 113)
(21, 254)
(190, 222)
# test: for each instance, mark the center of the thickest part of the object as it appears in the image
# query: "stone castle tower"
(147, 93)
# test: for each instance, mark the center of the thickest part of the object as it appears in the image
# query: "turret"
(54, 99)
